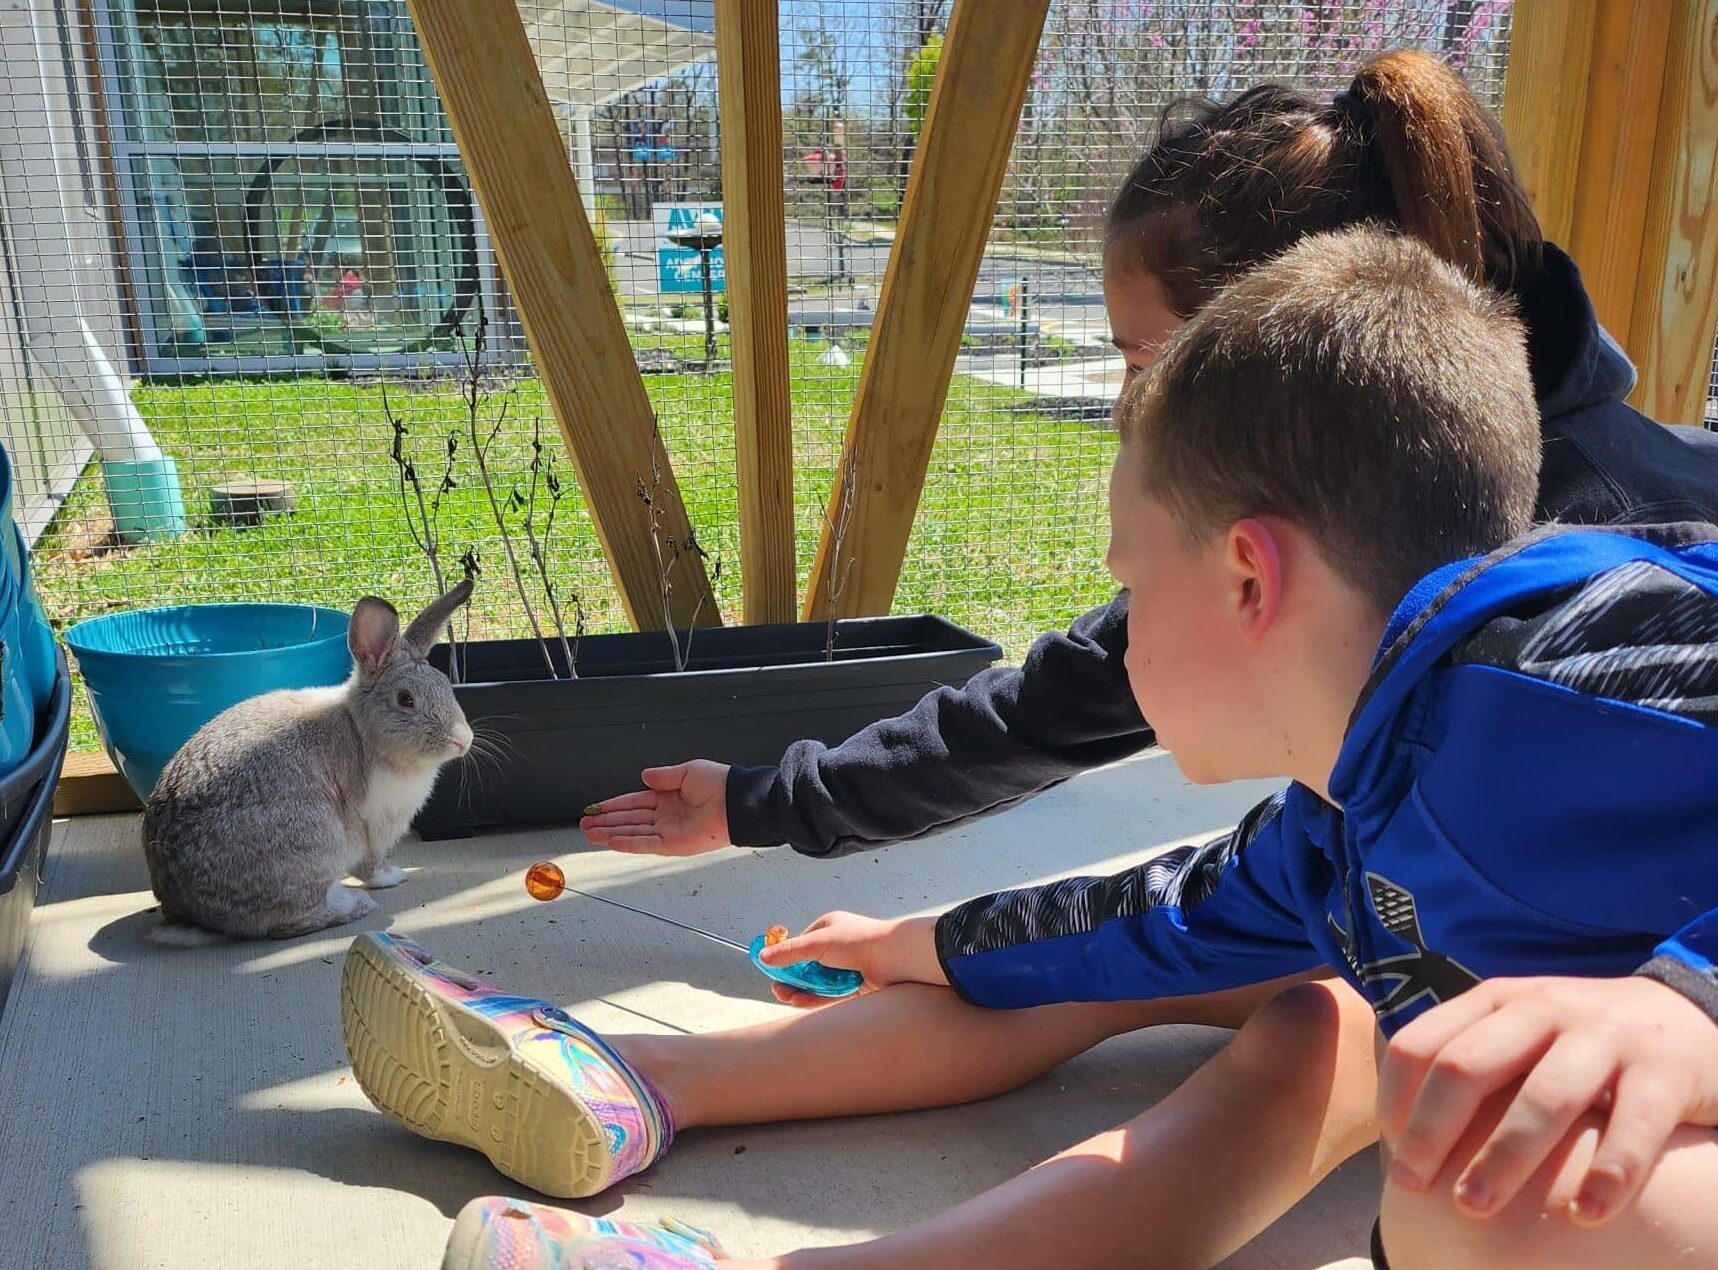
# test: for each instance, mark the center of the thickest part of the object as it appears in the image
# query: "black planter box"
(747, 694)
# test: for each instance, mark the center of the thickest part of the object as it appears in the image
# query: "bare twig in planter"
(693, 547)
(836, 581)
(444, 487)
(472, 566)
(539, 546)
(557, 491)
(425, 526)
(664, 570)
(579, 617)
(668, 553)
(480, 453)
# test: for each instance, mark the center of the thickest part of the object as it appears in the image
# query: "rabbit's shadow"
(125, 941)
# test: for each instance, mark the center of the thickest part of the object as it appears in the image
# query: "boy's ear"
(1254, 557)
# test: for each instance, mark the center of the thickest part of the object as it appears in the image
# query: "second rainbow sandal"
(495, 1233)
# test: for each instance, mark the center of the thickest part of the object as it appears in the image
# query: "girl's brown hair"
(1228, 186)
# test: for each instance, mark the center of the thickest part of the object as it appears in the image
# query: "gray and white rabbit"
(259, 817)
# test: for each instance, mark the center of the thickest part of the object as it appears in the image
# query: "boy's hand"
(885, 952)
(683, 812)
(1639, 1052)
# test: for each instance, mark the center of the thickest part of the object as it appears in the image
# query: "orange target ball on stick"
(545, 881)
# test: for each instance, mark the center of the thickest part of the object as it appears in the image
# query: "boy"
(1313, 447)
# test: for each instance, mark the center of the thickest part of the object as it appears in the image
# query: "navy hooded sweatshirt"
(1013, 732)
(1528, 786)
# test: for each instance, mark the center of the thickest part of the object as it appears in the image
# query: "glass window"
(295, 188)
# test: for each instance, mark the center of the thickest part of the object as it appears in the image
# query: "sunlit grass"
(1008, 541)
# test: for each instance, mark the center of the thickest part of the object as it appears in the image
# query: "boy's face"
(1187, 656)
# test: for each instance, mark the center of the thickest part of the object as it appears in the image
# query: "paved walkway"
(165, 1110)
(1089, 384)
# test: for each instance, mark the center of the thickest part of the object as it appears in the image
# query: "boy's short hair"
(1359, 387)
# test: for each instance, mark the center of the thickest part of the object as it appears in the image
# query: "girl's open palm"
(682, 811)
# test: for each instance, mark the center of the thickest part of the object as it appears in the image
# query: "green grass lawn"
(1009, 538)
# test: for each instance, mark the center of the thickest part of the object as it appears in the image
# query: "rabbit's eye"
(404, 699)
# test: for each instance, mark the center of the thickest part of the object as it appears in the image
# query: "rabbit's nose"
(462, 737)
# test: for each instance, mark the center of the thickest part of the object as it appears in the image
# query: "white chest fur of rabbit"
(260, 816)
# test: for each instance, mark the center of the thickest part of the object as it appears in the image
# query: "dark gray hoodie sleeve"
(1008, 734)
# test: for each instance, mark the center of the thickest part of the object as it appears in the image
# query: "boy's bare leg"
(1186, 1183)
(1673, 1222)
(904, 1048)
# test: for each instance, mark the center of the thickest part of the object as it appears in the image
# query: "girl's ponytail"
(1447, 165)
(1227, 186)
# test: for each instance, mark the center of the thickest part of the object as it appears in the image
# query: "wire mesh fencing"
(236, 236)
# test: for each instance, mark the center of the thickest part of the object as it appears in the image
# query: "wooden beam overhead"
(487, 76)
(748, 77)
(968, 131)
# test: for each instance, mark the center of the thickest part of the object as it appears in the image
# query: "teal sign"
(679, 269)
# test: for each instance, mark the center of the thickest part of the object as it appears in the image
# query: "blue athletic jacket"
(1528, 786)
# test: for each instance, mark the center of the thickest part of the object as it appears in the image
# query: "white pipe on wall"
(38, 178)
(584, 160)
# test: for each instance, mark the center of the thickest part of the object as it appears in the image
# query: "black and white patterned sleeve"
(1195, 919)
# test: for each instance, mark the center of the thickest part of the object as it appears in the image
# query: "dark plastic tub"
(27, 823)
(749, 693)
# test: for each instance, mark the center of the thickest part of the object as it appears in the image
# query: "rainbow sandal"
(452, 1058)
(494, 1233)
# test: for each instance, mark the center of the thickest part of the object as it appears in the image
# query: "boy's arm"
(1688, 962)
(1197, 919)
(959, 753)
(1552, 1049)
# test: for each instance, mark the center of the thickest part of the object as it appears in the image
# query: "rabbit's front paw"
(386, 875)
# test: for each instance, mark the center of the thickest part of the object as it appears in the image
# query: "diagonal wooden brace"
(494, 98)
(981, 81)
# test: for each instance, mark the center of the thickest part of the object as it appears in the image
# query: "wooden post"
(754, 240)
(968, 132)
(494, 98)
(1612, 111)
(1545, 102)
(1676, 310)
(1615, 172)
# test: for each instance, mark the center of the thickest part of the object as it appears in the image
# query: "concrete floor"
(168, 1109)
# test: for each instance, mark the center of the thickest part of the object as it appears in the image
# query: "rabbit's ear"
(425, 631)
(373, 635)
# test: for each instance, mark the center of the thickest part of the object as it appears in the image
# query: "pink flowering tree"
(1107, 69)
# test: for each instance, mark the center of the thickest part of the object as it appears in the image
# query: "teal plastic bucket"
(28, 660)
(18, 704)
(35, 637)
(157, 675)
